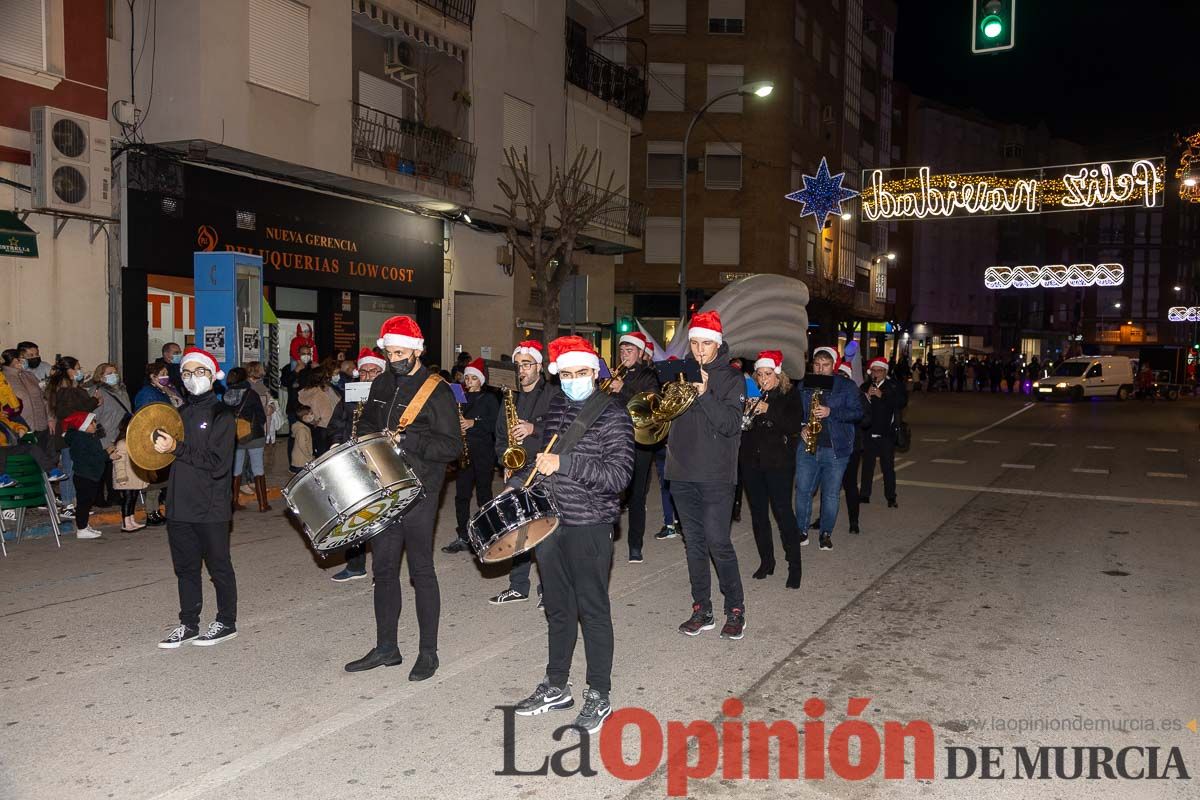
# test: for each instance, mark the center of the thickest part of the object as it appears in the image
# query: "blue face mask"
(111, 379)
(175, 359)
(578, 389)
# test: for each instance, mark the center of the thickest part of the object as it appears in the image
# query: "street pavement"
(1040, 574)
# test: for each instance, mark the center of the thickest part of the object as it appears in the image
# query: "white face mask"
(578, 389)
(196, 384)
(305, 359)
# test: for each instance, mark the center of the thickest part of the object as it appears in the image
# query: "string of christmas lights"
(1054, 276)
(1188, 172)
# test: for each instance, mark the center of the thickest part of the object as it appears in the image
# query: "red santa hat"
(878, 362)
(478, 369)
(770, 359)
(531, 348)
(636, 339)
(650, 348)
(828, 351)
(367, 356)
(844, 368)
(706, 325)
(203, 358)
(401, 331)
(572, 351)
(80, 420)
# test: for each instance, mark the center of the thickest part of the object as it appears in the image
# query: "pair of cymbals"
(140, 435)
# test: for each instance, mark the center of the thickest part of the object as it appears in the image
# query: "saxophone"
(814, 423)
(514, 455)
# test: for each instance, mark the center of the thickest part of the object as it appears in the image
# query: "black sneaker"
(667, 532)
(596, 709)
(154, 519)
(735, 625)
(635, 556)
(803, 539)
(508, 596)
(181, 634)
(698, 622)
(826, 541)
(217, 632)
(545, 698)
(864, 499)
(457, 546)
(854, 528)
(893, 504)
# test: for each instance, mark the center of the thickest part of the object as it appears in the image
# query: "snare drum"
(513, 523)
(353, 492)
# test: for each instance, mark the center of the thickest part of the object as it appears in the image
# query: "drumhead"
(365, 520)
(518, 541)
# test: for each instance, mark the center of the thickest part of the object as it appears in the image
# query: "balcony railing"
(612, 82)
(619, 215)
(461, 10)
(410, 148)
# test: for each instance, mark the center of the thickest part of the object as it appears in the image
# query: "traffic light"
(624, 325)
(992, 25)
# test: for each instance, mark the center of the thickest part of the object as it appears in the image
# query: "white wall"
(478, 305)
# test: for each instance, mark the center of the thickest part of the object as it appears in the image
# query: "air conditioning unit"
(71, 162)
(396, 64)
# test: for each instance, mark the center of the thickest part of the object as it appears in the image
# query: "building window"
(793, 248)
(722, 240)
(810, 252)
(664, 165)
(727, 16)
(24, 39)
(723, 78)
(797, 101)
(386, 96)
(1013, 150)
(800, 29)
(666, 87)
(835, 60)
(797, 171)
(523, 11)
(518, 125)
(662, 240)
(279, 46)
(668, 16)
(818, 41)
(722, 166)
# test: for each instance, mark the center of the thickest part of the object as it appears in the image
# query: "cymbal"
(140, 434)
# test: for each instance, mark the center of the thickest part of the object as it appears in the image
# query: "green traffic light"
(992, 26)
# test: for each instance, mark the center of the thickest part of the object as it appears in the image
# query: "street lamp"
(756, 88)
(846, 215)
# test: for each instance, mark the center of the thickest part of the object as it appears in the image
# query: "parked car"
(1088, 376)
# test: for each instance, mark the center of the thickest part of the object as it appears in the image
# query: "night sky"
(1099, 72)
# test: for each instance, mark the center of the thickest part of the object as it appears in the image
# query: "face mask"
(578, 388)
(175, 359)
(33, 363)
(79, 377)
(305, 359)
(337, 379)
(112, 379)
(197, 385)
(163, 380)
(402, 367)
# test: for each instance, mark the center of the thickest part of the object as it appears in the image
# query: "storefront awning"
(268, 315)
(16, 238)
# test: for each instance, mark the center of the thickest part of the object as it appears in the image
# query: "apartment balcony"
(438, 163)
(616, 84)
(458, 10)
(618, 227)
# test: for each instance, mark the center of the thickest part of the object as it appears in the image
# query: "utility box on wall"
(229, 307)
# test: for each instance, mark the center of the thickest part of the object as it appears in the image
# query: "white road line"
(1166, 474)
(1090, 471)
(1042, 444)
(1148, 501)
(1162, 449)
(1017, 466)
(986, 441)
(1099, 447)
(934, 440)
(1000, 421)
(948, 461)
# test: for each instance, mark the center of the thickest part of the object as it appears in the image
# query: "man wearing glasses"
(199, 503)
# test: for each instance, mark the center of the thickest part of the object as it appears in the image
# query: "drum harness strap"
(417, 403)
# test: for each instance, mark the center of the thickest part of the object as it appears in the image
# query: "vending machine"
(229, 307)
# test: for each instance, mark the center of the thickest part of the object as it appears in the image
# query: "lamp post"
(756, 88)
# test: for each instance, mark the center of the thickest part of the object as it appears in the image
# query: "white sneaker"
(10, 515)
(87, 533)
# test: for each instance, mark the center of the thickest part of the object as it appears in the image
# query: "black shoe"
(181, 634)
(803, 539)
(826, 541)
(374, 659)
(893, 504)
(854, 528)
(545, 698)
(735, 625)
(457, 546)
(698, 622)
(217, 632)
(423, 670)
(635, 555)
(154, 518)
(816, 524)
(763, 571)
(737, 515)
(864, 499)
(667, 532)
(793, 578)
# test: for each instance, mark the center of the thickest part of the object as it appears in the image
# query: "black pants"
(643, 463)
(87, 491)
(884, 449)
(475, 477)
(356, 558)
(769, 491)
(413, 536)
(574, 564)
(850, 486)
(705, 509)
(129, 498)
(321, 439)
(518, 576)
(194, 543)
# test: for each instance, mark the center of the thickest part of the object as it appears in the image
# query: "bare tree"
(543, 224)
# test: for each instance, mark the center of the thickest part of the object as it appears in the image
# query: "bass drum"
(513, 523)
(353, 492)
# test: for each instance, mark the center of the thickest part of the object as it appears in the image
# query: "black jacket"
(590, 478)
(532, 406)
(290, 378)
(483, 407)
(247, 405)
(199, 489)
(88, 458)
(770, 444)
(433, 440)
(342, 422)
(642, 378)
(881, 411)
(703, 444)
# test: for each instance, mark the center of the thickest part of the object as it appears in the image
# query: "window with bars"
(722, 166)
(664, 165)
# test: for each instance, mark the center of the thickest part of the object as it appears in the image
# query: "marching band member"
(768, 462)
(478, 425)
(850, 478)
(839, 413)
(886, 398)
(587, 476)
(702, 452)
(533, 401)
(430, 442)
(639, 377)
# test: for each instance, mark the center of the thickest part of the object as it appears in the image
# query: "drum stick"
(534, 471)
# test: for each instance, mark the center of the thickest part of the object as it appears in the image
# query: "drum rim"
(318, 535)
(483, 559)
(337, 450)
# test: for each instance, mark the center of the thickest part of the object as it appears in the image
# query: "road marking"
(986, 441)
(1090, 471)
(1166, 474)
(933, 440)
(1042, 444)
(1002, 420)
(1099, 447)
(1146, 501)
(1017, 466)
(1162, 449)
(948, 461)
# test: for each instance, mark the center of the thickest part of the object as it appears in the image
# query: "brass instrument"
(653, 412)
(514, 455)
(464, 458)
(814, 423)
(748, 415)
(358, 412)
(618, 375)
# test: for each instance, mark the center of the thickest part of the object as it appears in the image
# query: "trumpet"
(748, 416)
(618, 375)
(814, 423)
(652, 413)
(514, 455)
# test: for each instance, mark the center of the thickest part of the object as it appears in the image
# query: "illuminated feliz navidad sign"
(912, 193)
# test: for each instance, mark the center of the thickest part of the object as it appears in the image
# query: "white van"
(1088, 376)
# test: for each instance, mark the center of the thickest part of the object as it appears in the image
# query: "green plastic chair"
(32, 490)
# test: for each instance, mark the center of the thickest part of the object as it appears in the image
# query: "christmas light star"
(822, 195)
